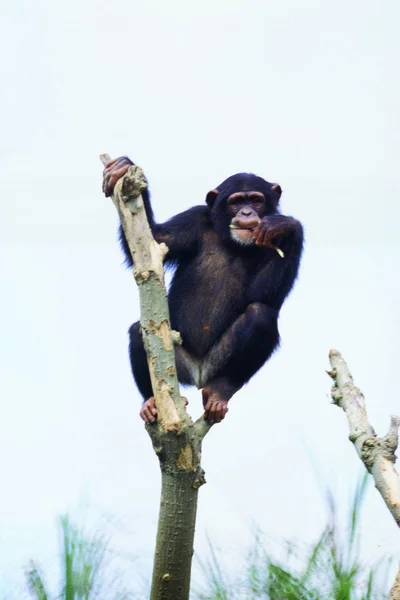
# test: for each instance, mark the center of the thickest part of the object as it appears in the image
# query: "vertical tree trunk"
(182, 476)
(176, 439)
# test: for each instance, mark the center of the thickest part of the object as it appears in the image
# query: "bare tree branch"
(377, 453)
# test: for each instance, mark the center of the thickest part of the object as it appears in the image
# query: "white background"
(303, 93)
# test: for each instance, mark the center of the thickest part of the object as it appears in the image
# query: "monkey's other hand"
(114, 170)
(269, 229)
(148, 412)
(215, 407)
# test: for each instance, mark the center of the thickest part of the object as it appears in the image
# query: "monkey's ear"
(211, 197)
(277, 192)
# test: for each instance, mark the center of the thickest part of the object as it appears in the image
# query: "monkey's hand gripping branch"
(158, 339)
(377, 454)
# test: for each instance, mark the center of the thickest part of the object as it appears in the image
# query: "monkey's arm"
(276, 277)
(181, 233)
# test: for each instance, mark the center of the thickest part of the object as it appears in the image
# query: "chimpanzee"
(236, 259)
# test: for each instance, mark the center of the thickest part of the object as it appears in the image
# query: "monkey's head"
(239, 203)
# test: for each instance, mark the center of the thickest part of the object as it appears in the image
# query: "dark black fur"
(224, 298)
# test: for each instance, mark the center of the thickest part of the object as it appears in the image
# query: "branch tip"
(394, 422)
(105, 158)
(377, 454)
(392, 436)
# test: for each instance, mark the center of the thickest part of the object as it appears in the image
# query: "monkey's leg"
(237, 356)
(138, 359)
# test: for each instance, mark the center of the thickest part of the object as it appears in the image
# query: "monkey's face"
(245, 210)
(239, 203)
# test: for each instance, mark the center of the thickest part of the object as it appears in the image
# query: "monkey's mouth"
(251, 227)
(245, 223)
(243, 233)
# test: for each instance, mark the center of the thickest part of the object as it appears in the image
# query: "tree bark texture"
(395, 591)
(176, 439)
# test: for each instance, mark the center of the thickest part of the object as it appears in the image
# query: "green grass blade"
(35, 582)
(358, 500)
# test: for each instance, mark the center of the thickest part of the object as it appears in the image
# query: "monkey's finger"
(113, 177)
(209, 416)
(110, 163)
(143, 414)
(107, 188)
(125, 159)
(209, 405)
(116, 164)
(120, 162)
(218, 413)
(266, 238)
(146, 413)
(213, 412)
(256, 232)
(207, 409)
(261, 231)
(151, 404)
(225, 408)
(205, 393)
(107, 173)
(118, 173)
(152, 409)
(221, 411)
(149, 418)
(258, 239)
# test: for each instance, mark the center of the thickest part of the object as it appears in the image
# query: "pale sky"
(302, 93)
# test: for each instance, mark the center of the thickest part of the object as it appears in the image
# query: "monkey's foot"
(148, 412)
(215, 408)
